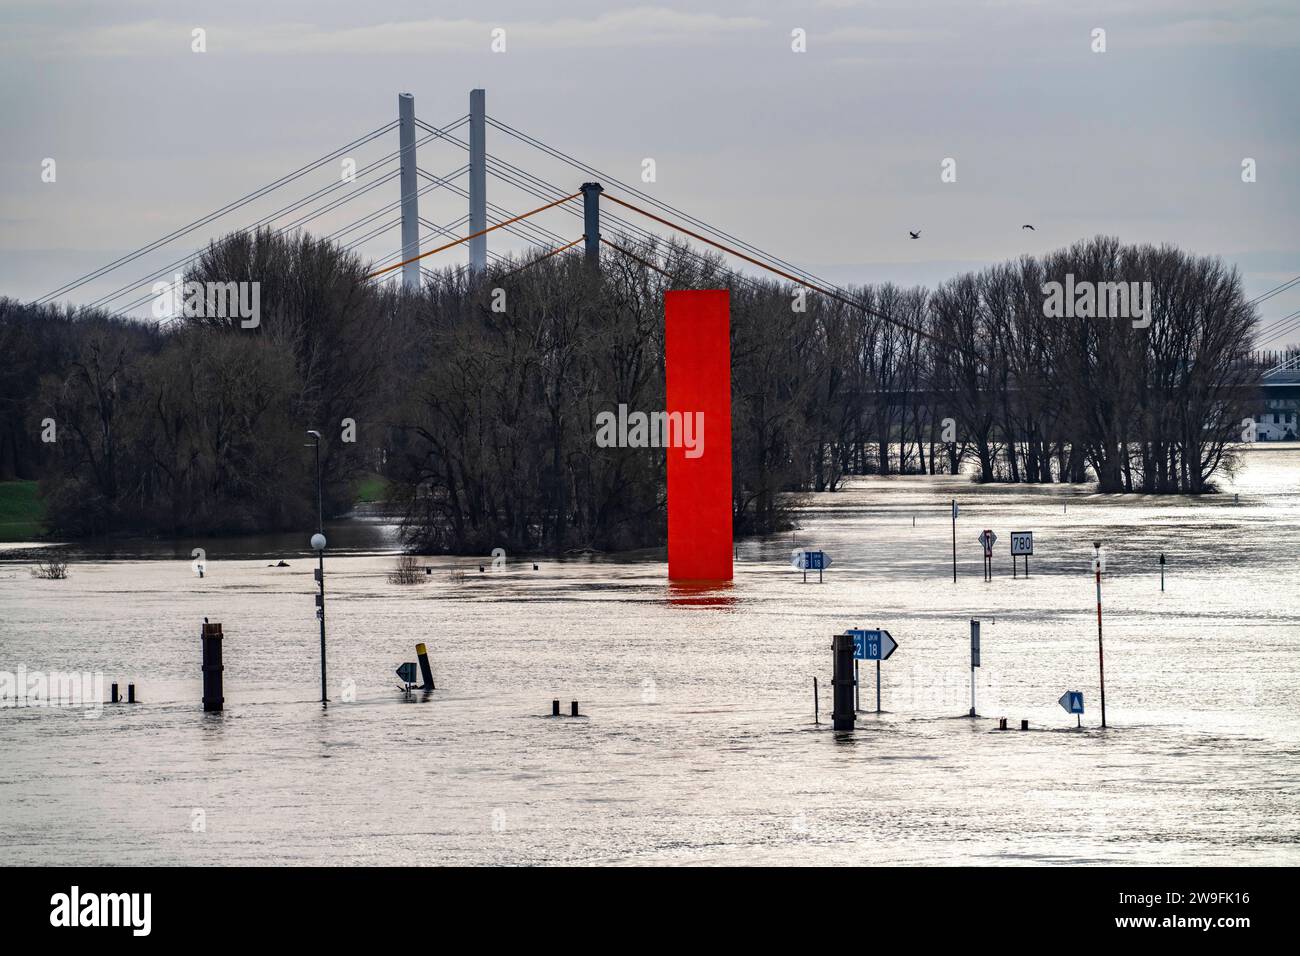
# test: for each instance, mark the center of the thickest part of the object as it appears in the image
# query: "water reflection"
(701, 594)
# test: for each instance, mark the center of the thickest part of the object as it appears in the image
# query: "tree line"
(477, 396)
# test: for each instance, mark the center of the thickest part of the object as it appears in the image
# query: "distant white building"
(1279, 420)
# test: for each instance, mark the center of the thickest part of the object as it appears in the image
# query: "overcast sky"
(826, 158)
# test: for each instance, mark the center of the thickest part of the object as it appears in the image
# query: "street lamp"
(319, 524)
(1101, 660)
(318, 545)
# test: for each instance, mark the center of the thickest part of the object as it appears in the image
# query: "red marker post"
(1101, 658)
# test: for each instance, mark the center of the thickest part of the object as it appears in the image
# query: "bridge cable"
(481, 232)
(257, 193)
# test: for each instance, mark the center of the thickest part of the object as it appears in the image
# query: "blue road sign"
(1072, 702)
(873, 645)
(814, 560)
(407, 672)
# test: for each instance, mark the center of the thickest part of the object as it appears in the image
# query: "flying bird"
(914, 235)
(1028, 226)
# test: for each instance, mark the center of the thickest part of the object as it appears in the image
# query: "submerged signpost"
(987, 539)
(807, 561)
(1072, 703)
(974, 659)
(875, 645)
(1022, 543)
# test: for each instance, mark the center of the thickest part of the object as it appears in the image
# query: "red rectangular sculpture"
(697, 356)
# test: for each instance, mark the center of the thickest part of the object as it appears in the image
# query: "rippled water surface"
(698, 744)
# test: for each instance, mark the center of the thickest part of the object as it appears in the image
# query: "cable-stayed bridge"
(401, 204)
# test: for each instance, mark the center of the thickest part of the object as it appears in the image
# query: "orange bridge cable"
(634, 256)
(545, 255)
(474, 235)
(785, 275)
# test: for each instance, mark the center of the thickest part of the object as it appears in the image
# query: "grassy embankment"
(21, 512)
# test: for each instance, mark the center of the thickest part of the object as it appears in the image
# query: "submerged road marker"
(1072, 703)
(875, 645)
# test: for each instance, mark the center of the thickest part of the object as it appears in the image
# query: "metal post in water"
(877, 685)
(954, 541)
(555, 707)
(573, 708)
(115, 699)
(426, 671)
(842, 682)
(817, 716)
(130, 693)
(1162, 571)
(212, 667)
(857, 688)
(1101, 659)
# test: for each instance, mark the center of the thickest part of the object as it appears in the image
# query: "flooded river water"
(698, 743)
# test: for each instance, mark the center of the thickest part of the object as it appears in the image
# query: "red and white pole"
(1101, 658)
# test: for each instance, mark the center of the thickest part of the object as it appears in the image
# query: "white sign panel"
(1022, 542)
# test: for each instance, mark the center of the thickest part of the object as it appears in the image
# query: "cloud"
(638, 27)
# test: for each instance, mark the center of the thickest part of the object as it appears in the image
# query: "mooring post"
(817, 716)
(591, 222)
(115, 699)
(573, 708)
(212, 667)
(130, 693)
(409, 191)
(555, 707)
(477, 179)
(1162, 571)
(426, 671)
(842, 682)
(1024, 725)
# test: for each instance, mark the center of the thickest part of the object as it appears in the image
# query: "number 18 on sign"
(873, 646)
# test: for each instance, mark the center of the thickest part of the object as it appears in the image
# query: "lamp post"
(1101, 660)
(318, 545)
(320, 527)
